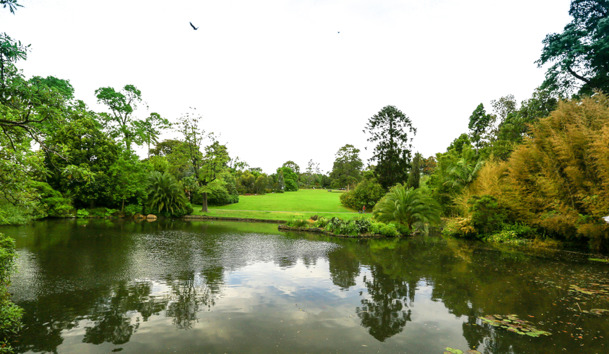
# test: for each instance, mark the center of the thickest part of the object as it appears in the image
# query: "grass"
(284, 206)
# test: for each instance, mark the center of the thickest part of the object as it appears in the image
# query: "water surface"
(102, 286)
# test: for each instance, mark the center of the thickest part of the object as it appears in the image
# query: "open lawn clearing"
(284, 206)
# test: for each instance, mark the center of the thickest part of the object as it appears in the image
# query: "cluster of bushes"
(354, 227)
(10, 314)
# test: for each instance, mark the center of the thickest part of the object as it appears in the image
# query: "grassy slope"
(284, 206)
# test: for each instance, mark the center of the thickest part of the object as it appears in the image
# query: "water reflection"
(104, 283)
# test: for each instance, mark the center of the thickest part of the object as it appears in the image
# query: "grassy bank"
(284, 206)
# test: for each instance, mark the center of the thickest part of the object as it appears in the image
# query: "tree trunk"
(204, 203)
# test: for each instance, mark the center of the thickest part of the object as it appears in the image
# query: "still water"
(177, 286)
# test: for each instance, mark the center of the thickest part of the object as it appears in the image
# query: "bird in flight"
(193, 26)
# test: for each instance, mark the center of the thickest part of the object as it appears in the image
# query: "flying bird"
(193, 26)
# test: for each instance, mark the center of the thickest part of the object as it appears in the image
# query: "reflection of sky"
(263, 307)
(274, 295)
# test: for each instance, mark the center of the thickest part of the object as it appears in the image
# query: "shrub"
(166, 196)
(367, 193)
(82, 213)
(133, 209)
(298, 223)
(407, 206)
(487, 216)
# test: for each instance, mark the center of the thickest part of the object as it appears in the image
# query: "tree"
(579, 55)
(287, 178)
(479, 125)
(129, 176)
(390, 129)
(414, 177)
(193, 135)
(215, 161)
(83, 174)
(347, 168)
(119, 121)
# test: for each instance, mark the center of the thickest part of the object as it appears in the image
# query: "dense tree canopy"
(580, 54)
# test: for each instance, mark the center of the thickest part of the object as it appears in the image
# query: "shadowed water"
(101, 286)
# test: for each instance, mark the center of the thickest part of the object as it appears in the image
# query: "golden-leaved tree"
(558, 179)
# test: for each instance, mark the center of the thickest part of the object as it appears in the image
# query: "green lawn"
(284, 206)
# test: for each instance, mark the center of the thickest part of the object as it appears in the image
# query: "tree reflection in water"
(385, 313)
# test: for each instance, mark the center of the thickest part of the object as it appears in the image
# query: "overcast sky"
(295, 79)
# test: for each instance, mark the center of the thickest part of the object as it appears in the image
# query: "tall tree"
(479, 125)
(579, 55)
(347, 168)
(390, 129)
(193, 135)
(119, 122)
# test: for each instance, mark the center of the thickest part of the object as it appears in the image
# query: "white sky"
(275, 78)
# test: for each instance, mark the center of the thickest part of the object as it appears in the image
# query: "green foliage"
(455, 170)
(130, 179)
(487, 215)
(119, 122)
(367, 193)
(389, 230)
(297, 223)
(10, 314)
(414, 176)
(82, 173)
(52, 202)
(408, 207)
(390, 129)
(579, 55)
(287, 177)
(347, 168)
(355, 227)
(479, 125)
(82, 213)
(132, 209)
(166, 196)
(217, 194)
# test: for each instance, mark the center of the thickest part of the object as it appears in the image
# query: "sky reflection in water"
(228, 287)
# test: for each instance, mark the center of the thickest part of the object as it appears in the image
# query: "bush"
(487, 216)
(10, 314)
(367, 193)
(133, 209)
(102, 213)
(82, 213)
(298, 223)
(166, 196)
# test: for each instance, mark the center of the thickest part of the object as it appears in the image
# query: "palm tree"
(166, 194)
(407, 206)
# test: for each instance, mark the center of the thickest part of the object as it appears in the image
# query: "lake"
(200, 286)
